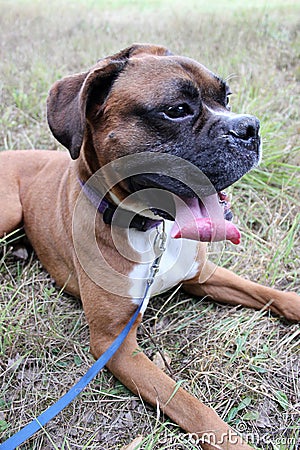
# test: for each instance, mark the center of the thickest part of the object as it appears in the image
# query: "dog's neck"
(124, 218)
(107, 201)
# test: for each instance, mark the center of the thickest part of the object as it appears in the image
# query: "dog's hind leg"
(224, 286)
(10, 203)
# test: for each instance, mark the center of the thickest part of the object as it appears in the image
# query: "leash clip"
(159, 246)
(160, 240)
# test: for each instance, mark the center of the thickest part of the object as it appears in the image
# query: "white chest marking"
(178, 263)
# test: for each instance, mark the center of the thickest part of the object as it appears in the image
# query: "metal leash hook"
(159, 246)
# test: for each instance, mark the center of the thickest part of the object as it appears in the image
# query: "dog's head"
(144, 99)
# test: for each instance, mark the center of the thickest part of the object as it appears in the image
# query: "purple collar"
(124, 217)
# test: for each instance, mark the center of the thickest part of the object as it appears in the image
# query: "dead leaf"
(160, 360)
(132, 446)
(14, 363)
(20, 252)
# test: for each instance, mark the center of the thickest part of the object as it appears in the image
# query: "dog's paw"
(289, 306)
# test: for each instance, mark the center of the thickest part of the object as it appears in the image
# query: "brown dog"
(165, 115)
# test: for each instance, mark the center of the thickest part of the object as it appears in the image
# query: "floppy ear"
(63, 112)
(68, 99)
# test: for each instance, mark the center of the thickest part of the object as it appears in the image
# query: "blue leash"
(26, 432)
(34, 426)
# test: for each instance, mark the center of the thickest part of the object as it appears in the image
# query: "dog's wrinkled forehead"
(137, 80)
(168, 76)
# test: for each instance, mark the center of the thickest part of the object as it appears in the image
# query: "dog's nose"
(244, 127)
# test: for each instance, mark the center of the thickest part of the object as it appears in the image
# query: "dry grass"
(243, 363)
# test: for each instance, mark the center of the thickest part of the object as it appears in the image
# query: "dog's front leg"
(132, 367)
(142, 377)
(223, 285)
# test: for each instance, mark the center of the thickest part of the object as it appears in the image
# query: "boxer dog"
(166, 118)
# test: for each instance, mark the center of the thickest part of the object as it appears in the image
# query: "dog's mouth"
(205, 220)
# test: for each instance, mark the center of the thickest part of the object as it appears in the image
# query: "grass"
(243, 363)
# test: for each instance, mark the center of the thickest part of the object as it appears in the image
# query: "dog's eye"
(227, 101)
(178, 112)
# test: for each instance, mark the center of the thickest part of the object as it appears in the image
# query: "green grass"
(243, 363)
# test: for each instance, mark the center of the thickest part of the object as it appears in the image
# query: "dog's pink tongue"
(203, 221)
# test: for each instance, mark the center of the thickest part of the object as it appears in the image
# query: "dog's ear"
(63, 112)
(140, 50)
(69, 98)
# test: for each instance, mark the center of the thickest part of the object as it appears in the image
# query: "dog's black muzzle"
(227, 147)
